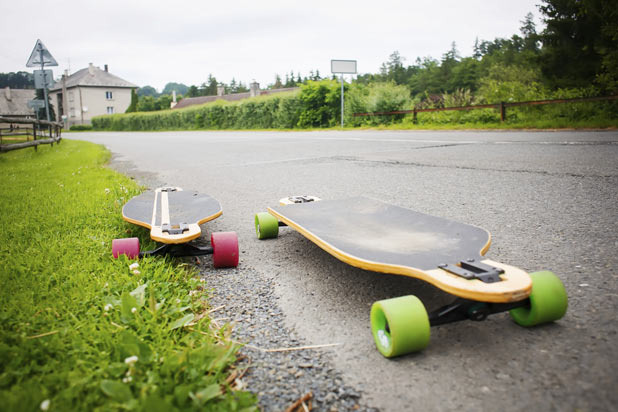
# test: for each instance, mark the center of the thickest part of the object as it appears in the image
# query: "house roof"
(92, 76)
(14, 102)
(191, 101)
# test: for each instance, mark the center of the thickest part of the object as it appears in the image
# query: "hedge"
(315, 105)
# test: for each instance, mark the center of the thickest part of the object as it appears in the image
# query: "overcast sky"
(153, 42)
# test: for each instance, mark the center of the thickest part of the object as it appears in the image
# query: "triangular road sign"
(35, 56)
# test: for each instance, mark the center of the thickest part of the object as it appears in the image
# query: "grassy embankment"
(81, 330)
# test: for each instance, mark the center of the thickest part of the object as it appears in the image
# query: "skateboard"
(380, 237)
(174, 217)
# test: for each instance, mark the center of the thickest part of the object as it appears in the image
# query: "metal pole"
(44, 83)
(341, 100)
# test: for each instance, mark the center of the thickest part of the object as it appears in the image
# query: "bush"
(80, 127)
(320, 104)
(376, 97)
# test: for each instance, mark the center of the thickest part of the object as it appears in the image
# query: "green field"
(81, 330)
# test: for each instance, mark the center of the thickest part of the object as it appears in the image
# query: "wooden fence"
(502, 106)
(20, 133)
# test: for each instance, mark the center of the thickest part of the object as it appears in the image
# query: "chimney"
(254, 89)
(7, 93)
(106, 69)
(220, 90)
(91, 69)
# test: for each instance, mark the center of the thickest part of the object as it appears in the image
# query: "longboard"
(376, 236)
(174, 217)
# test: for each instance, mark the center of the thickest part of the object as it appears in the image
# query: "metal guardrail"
(502, 106)
(40, 131)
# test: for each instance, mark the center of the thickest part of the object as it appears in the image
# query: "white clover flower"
(136, 272)
(133, 266)
(45, 405)
(108, 307)
(133, 310)
(131, 360)
(107, 191)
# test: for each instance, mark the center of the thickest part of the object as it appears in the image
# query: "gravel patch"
(278, 378)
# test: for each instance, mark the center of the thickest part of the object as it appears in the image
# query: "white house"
(90, 92)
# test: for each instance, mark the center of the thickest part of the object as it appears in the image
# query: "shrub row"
(315, 105)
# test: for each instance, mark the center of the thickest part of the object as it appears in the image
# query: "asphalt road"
(548, 198)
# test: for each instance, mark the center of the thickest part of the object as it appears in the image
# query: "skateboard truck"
(174, 229)
(470, 269)
(462, 309)
(178, 250)
(301, 199)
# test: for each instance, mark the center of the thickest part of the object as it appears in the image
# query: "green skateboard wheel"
(266, 225)
(399, 326)
(548, 301)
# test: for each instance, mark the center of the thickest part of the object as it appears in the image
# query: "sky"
(155, 42)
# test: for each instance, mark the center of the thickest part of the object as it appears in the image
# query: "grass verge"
(81, 330)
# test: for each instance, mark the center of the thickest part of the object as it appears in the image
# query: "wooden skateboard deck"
(172, 214)
(380, 237)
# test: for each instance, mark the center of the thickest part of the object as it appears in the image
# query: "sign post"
(342, 67)
(41, 56)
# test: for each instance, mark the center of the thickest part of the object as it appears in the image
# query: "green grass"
(79, 329)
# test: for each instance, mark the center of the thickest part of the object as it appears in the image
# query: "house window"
(110, 109)
(108, 95)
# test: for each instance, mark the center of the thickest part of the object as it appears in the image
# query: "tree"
(42, 113)
(146, 104)
(528, 30)
(277, 84)
(17, 80)
(179, 88)
(147, 91)
(450, 59)
(192, 92)
(579, 42)
(163, 102)
(241, 88)
(427, 78)
(134, 100)
(393, 70)
(477, 54)
(209, 88)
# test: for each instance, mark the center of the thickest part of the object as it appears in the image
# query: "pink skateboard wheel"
(224, 249)
(127, 246)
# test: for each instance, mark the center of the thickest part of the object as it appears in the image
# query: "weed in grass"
(81, 330)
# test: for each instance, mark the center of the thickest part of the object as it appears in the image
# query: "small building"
(254, 90)
(90, 92)
(14, 103)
